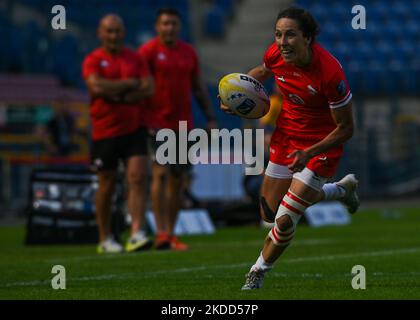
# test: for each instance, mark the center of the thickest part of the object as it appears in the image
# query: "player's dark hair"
(168, 11)
(306, 21)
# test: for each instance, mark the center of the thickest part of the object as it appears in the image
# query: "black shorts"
(106, 153)
(177, 168)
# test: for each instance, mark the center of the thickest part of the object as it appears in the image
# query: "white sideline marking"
(226, 266)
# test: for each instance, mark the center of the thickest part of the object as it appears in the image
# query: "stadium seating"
(35, 49)
(380, 59)
(215, 22)
(216, 17)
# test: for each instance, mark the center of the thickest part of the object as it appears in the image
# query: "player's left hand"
(225, 108)
(301, 158)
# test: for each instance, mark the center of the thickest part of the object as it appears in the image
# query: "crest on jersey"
(341, 88)
(104, 63)
(296, 99)
(246, 106)
(161, 56)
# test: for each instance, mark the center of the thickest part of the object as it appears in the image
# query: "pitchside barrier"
(189, 222)
(61, 207)
(327, 213)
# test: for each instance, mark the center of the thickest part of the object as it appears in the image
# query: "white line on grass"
(206, 268)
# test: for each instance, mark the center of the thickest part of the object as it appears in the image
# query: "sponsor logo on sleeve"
(296, 99)
(312, 90)
(341, 88)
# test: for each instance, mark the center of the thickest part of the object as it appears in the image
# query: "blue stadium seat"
(304, 3)
(214, 23)
(406, 49)
(15, 49)
(227, 6)
(342, 50)
(380, 10)
(330, 30)
(412, 29)
(319, 12)
(373, 31)
(384, 48)
(401, 10)
(339, 11)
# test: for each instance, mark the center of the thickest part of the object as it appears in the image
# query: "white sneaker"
(109, 246)
(350, 199)
(137, 242)
(254, 280)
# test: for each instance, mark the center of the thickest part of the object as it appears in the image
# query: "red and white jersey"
(308, 92)
(173, 70)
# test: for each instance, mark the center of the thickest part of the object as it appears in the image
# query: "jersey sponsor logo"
(296, 74)
(246, 106)
(312, 90)
(324, 158)
(296, 99)
(341, 88)
(104, 63)
(281, 78)
(161, 56)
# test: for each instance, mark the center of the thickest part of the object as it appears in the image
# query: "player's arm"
(261, 73)
(106, 88)
(201, 94)
(145, 89)
(343, 118)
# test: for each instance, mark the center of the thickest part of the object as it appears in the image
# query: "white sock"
(333, 191)
(260, 264)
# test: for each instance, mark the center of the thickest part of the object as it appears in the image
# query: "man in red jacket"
(118, 80)
(175, 68)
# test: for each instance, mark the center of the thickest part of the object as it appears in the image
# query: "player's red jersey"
(308, 93)
(114, 119)
(173, 69)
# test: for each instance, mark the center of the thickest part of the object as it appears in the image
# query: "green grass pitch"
(316, 266)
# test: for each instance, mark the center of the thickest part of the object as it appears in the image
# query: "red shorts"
(324, 164)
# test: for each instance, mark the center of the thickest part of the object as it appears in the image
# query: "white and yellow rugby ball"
(244, 95)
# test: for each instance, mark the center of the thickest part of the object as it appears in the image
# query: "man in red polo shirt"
(175, 68)
(118, 80)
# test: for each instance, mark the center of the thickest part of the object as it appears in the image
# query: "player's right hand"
(225, 108)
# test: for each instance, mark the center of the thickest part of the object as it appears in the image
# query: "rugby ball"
(244, 95)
